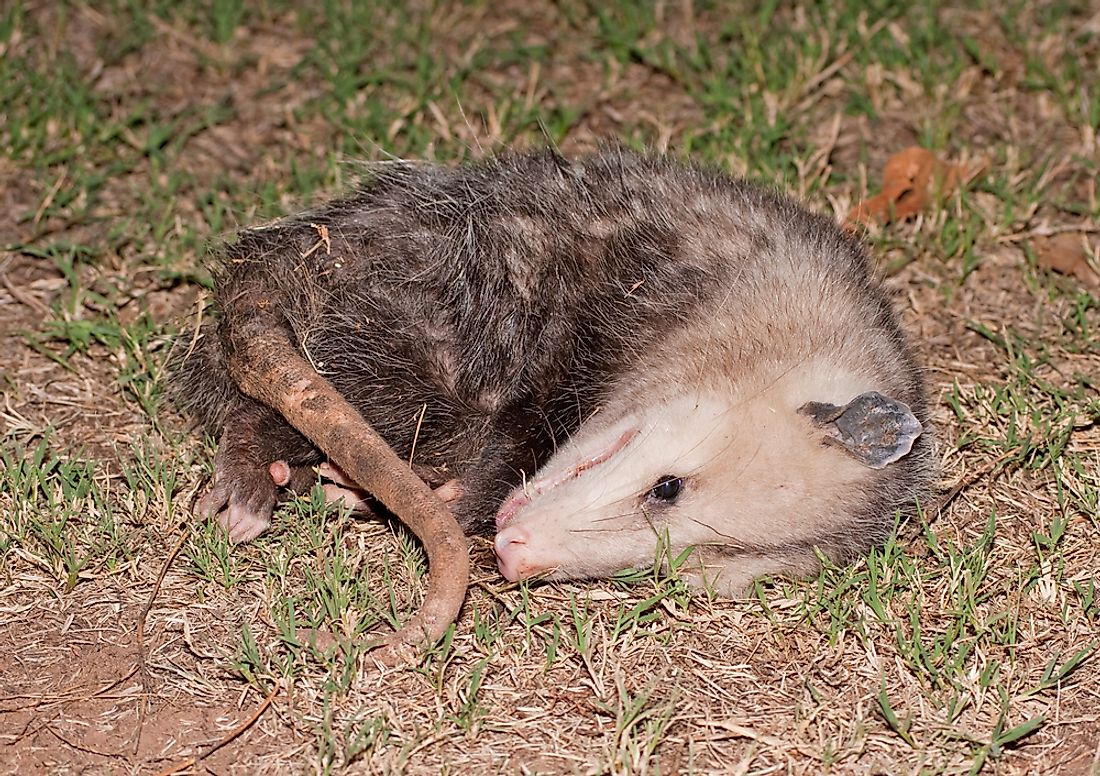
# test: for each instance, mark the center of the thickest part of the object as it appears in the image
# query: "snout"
(516, 557)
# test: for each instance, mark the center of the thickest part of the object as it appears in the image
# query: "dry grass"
(135, 137)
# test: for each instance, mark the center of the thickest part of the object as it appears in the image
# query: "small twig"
(34, 726)
(732, 729)
(68, 696)
(1047, 231)
(79, 747)
(232, 735)
(198, 329)
(50, 195)
(416, 433)
(989, 470)
(829, 71)
(322, 241)
(139, 639)
(807, 92)
(23, 297)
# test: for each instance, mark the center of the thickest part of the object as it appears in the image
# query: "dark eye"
(666, 489)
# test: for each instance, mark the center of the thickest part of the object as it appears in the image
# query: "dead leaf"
(1067, 253)
(911, 179)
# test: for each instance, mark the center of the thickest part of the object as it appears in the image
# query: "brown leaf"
(911, 178)
(1067, 253)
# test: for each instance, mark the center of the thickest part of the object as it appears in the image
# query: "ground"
(136, 138)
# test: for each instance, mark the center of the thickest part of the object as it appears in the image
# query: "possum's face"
(752, 485)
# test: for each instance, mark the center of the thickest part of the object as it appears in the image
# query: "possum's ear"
(875, 429)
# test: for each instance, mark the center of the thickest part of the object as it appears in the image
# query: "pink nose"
(512, 554)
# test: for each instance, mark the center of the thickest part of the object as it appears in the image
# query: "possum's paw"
(242, 498)
(341, 488)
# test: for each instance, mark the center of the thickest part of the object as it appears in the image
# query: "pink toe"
(449, 491)
(353, 500)
(331, 471)
(280, 473)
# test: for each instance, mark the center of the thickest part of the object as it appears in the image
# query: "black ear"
(875, 429)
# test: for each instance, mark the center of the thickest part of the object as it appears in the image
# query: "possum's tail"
(265, 365)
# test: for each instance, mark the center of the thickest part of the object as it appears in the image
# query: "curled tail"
(265, 365)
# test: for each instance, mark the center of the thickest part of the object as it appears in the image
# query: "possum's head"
(753, 484)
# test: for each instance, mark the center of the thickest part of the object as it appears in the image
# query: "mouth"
(523, 495)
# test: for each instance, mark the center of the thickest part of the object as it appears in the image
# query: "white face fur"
(746, 481)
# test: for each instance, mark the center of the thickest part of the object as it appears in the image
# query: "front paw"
(339, 488)
(242, 499)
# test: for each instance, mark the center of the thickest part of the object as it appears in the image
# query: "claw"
(331, 471)
(243, 524)
(211, 503)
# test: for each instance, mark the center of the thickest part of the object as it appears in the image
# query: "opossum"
(614, 356)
